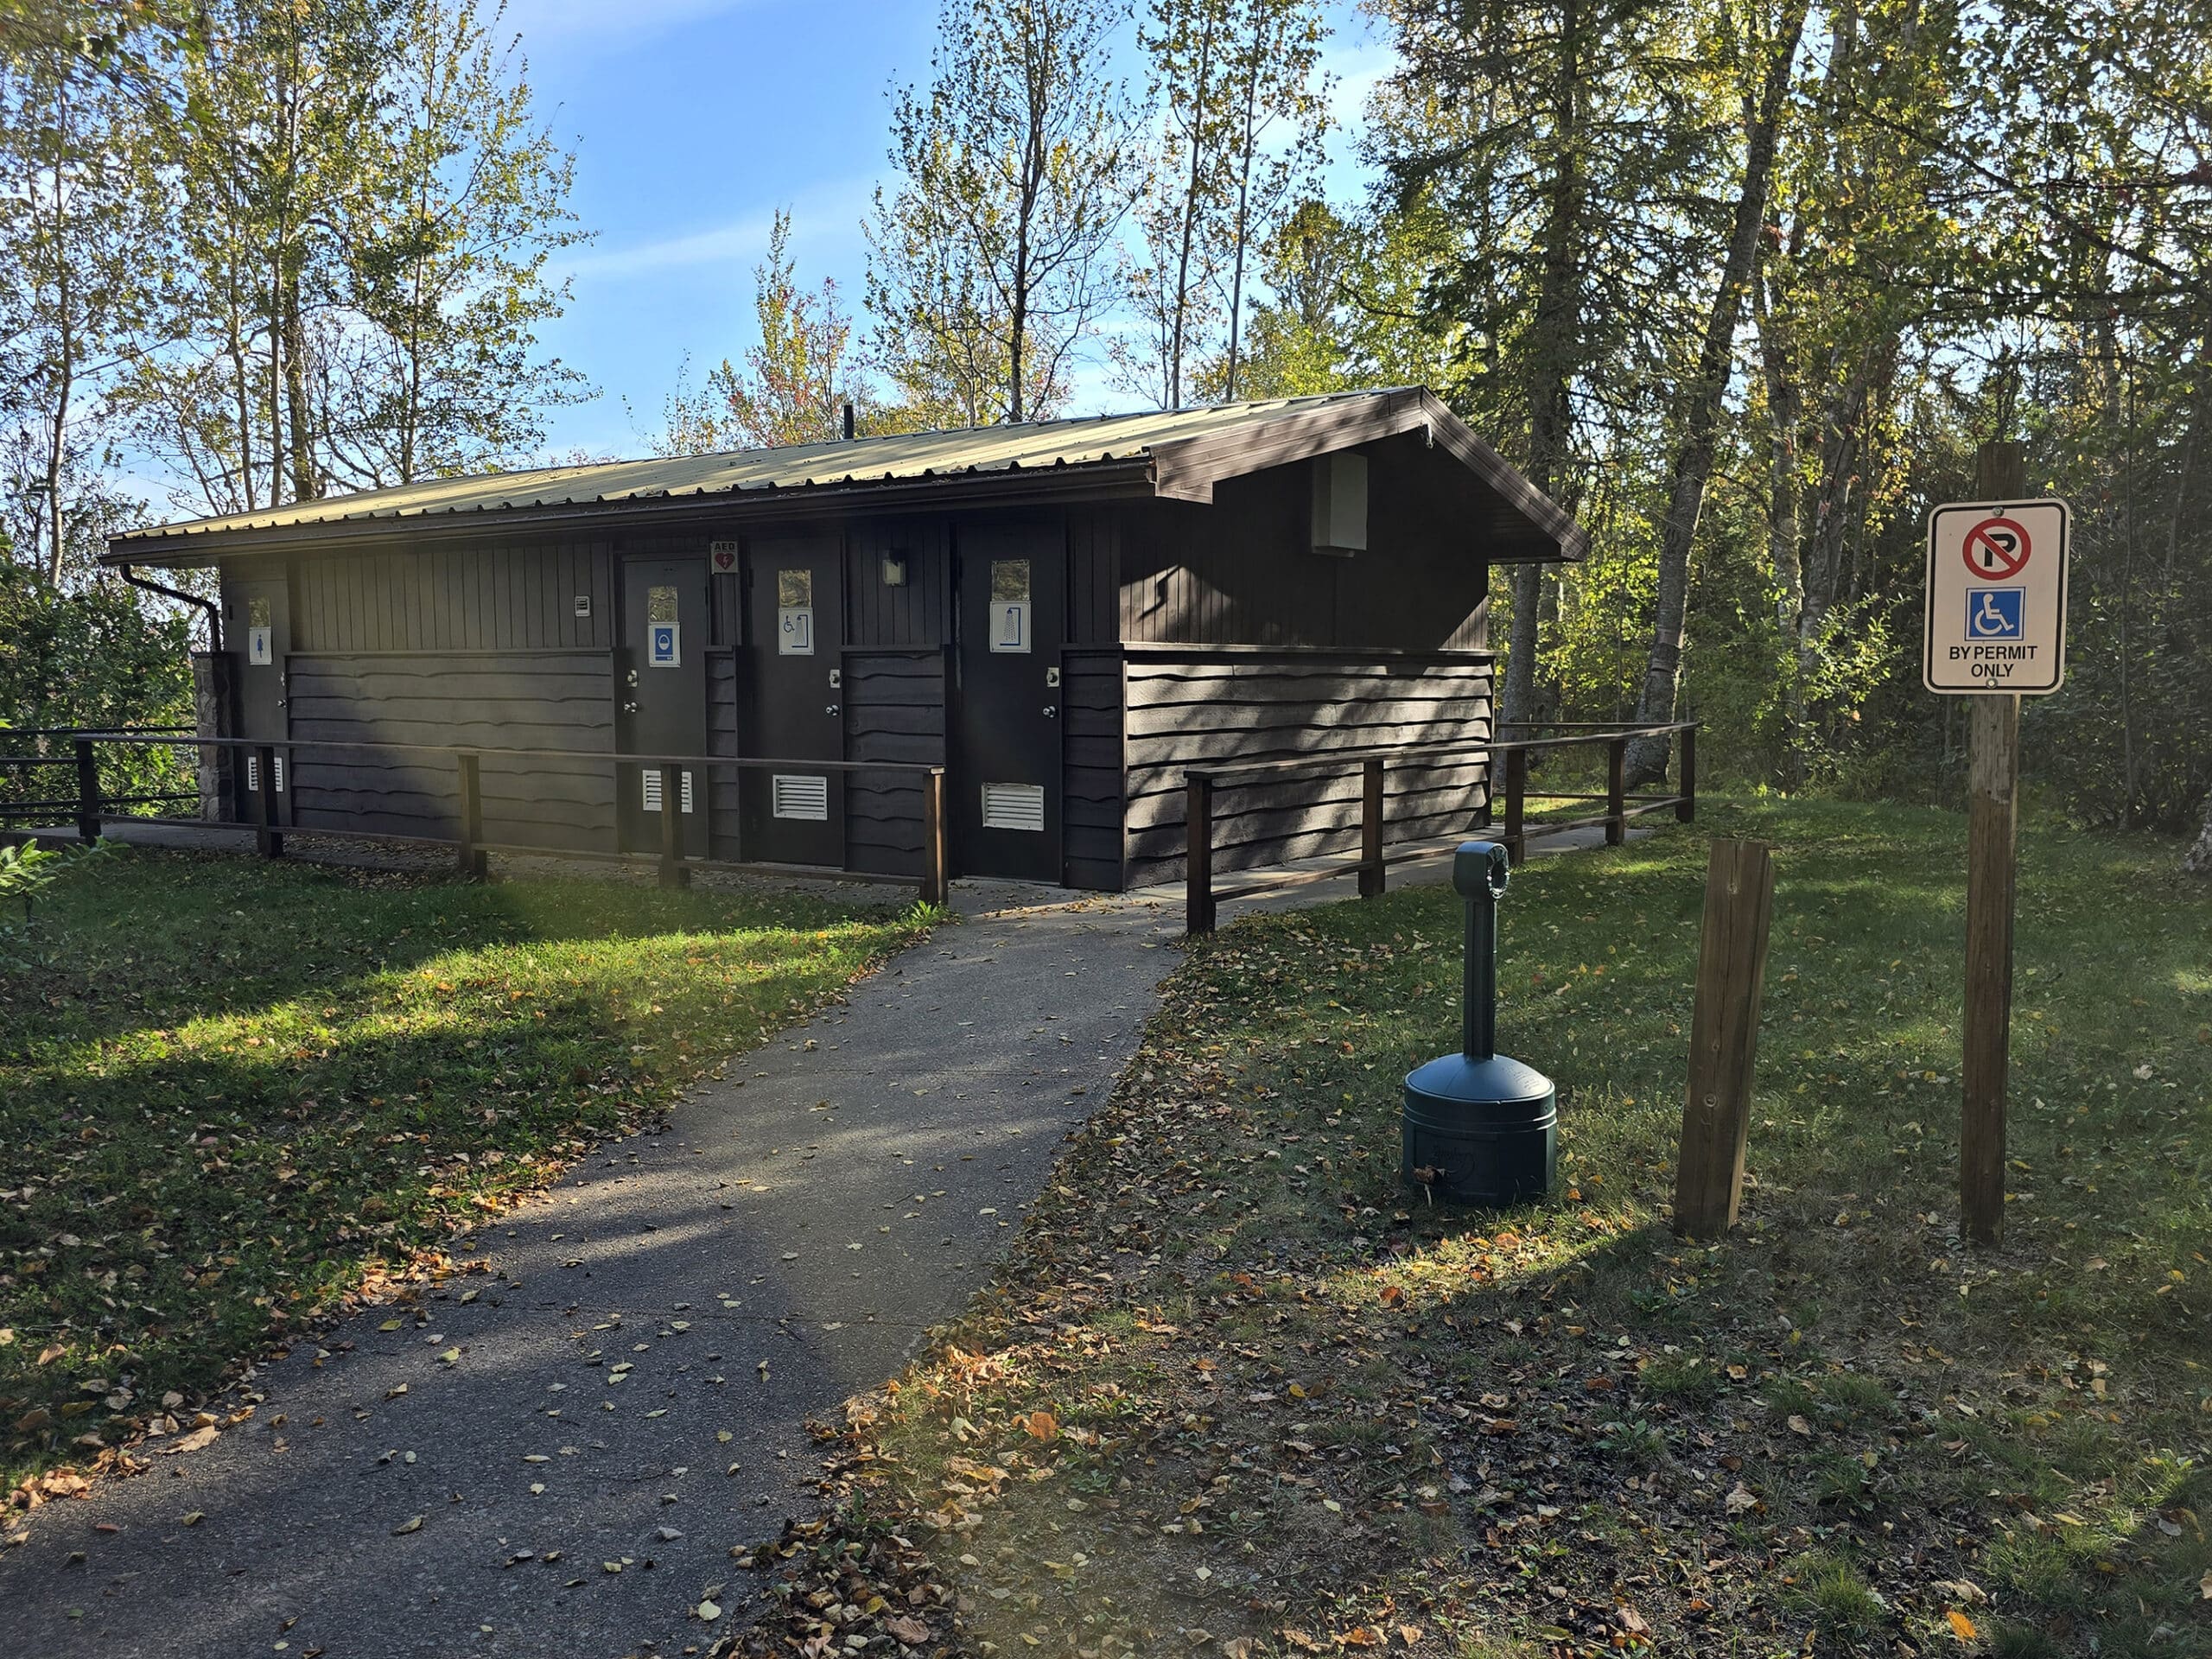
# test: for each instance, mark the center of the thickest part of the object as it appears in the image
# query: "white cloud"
(825, 233)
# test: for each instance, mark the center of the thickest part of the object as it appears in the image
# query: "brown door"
(792, 708)
(261, 633)
(1013, 614)
(661, 694)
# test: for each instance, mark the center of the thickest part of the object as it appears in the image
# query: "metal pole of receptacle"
(1478, 991)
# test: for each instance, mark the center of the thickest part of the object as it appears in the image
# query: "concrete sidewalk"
(629, 1384)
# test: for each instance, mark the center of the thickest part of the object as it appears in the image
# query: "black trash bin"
(1479, 1127)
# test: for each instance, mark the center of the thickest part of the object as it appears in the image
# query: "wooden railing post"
(1617, 791)
(673, 873)
(1724, 1038)
(1516, 795)
(88, 791)
(267, 839)
(1686, 808)
(1197, 863)
(936, 887)
(1371, 871)
(473, 865)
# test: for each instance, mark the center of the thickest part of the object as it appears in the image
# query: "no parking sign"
(1996, 620)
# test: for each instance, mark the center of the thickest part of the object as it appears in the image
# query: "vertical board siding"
(1192, 708)
(455, 598)
(1091, 759)
(894, 711)
(918, 612)
(1242, 571)
(552, 700)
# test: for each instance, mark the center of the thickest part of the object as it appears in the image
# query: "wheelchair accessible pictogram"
(1996, 613)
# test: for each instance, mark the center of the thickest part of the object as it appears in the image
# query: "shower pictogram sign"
(1996, 600)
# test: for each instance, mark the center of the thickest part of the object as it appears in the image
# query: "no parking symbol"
(1996, 618)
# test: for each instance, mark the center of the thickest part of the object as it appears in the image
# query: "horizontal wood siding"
(894, 711)
(1196, 707)
(1090, 809)
(723, 840)
(547, 700)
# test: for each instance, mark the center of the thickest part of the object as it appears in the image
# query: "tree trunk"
(1785, 413)
(2198, 860)
(1701, 415)
(1197, 132)
(1557, 323)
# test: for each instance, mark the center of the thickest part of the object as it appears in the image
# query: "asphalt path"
(556, 1456)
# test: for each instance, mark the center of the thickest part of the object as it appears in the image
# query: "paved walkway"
(629, 1384)
(626, 1389)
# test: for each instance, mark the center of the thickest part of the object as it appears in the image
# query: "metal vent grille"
(652, 776)
(253, 771)
(796, 796)
(279, 768)
(1014, 806)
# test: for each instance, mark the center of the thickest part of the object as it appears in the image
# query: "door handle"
(1052, 711)
(832, 710)
(629, 708)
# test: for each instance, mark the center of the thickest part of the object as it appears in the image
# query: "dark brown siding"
(1242, 570)
(1191, 706)
(722, 739)
(894, 711)
(915, 614)
(455, 598)
(1091, 810)
(544, 699)
(1094, 566)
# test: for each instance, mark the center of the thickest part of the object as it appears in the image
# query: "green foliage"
(27, 871)
(208, 1131)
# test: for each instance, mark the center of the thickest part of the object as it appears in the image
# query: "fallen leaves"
(415, 1524)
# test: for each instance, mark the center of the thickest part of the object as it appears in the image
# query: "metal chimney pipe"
(849, 421)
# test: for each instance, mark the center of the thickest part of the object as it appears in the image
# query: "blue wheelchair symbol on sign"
(1995, 612)
(663, 653)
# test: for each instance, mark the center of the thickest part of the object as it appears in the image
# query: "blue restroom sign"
(1996, 598)
(663, 645)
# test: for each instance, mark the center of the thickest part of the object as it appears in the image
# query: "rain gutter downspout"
(215, 611)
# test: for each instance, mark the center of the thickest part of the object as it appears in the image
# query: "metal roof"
(1185, 450)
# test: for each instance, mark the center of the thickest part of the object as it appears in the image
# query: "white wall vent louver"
(652, 776)
(796, 796)
(1014, 806)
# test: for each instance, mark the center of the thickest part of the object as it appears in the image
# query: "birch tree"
(988, 256)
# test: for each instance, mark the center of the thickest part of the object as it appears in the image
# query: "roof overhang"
(1170, 468)
(1187, 469)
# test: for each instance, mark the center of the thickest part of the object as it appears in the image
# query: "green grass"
(1908, 1427)
(229, 1091)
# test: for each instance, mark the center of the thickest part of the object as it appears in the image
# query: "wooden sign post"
(1724, 1038)
(1995, 630)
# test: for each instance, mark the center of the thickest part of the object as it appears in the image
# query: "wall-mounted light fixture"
(894, 569)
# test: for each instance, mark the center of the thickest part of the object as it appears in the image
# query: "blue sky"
(692, 121)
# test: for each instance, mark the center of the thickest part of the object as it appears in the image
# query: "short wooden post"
(1993, 833)
(1516, 795)
(935, 885)
(1616, 791)
(472, 860)
(673, 871)
(267, 839)
(88, 791)
(1724, 1038)
(1197, 862)
(1372, 874)
(1686, 807)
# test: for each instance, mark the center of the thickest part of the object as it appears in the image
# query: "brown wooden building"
(1066, 615)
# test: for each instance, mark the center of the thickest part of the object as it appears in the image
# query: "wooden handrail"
(1201, 899)
(470, 846)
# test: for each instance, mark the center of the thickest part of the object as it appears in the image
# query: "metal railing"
(15, 768)
(90, 806)
(1202, 897)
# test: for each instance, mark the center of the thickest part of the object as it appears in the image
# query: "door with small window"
(792, 708)
(1005, 786)
(661, 699)
(258, 614)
